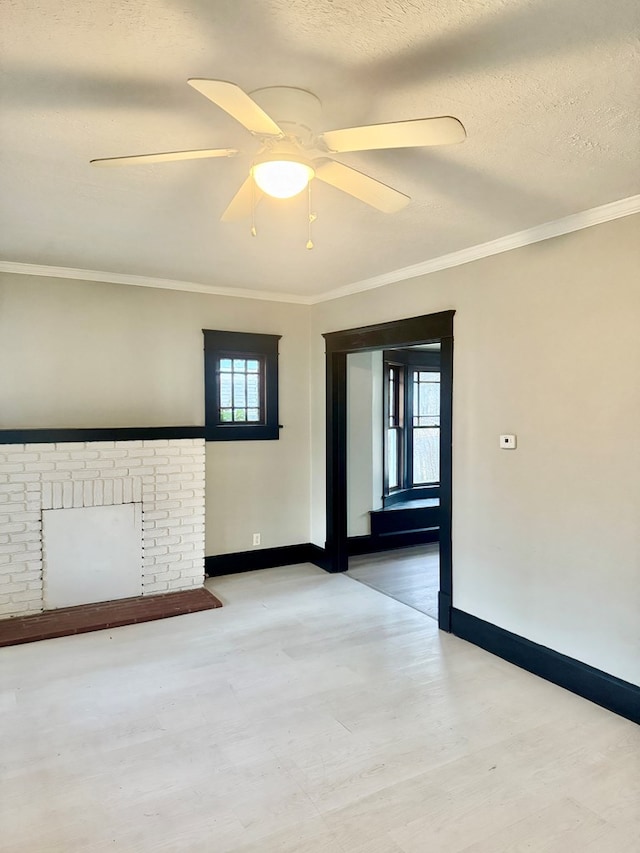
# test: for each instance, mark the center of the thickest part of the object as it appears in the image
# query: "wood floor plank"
(410, 575)
(311, 714)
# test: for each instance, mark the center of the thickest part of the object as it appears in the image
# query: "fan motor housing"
(297, 111)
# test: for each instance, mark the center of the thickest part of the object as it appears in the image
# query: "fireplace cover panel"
(91, 554)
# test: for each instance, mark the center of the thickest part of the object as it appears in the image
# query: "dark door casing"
(428, 328)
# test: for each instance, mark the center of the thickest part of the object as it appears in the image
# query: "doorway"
(429, 329)
(393, 472)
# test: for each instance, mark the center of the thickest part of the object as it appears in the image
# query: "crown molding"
(147, 281)
(555, 228)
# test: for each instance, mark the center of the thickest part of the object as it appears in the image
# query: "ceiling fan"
(292, 153)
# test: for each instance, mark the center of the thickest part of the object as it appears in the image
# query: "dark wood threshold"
(105, 614)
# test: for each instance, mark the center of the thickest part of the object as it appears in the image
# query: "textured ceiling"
(547, 89)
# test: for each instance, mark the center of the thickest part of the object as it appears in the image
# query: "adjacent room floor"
(410, 575)
(311, 714)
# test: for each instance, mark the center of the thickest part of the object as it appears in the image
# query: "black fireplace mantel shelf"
(60, 435)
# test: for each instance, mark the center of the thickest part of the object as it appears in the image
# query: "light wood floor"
(410, 575)
(310, 715)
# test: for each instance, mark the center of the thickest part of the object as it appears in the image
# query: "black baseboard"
(357, 545)
(319, 557)
(264, 558)
(288, 555)
(606, 690)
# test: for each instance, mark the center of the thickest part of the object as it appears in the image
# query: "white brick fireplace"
(165, 477)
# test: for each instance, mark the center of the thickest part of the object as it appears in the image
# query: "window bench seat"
(406, 516)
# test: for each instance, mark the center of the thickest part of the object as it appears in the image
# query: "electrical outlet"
(256, 539)
(508, 442)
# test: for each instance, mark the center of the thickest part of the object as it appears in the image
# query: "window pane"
(392, 458)
(240, 390)
(225, 390)
(392, 398)
(253, 390)
(239, 393)
(430, 398)
(426, 456)
(426, 398)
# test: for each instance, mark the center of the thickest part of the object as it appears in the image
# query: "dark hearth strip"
(106, 614)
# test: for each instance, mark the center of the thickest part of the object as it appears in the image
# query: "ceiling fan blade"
(242, 202)
(166, 157)
(361, 186)
(444, 130)
(233, 100)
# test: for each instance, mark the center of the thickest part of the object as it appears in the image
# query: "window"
(394, 426)
(241, 386)
(412, 423)
(425, 427)
(240, 391)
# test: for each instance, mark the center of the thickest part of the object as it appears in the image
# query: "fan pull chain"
(254, 232)
(312, 219)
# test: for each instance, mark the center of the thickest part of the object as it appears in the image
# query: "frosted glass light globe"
(282, 178)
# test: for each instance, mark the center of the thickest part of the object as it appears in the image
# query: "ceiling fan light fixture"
(282, 176)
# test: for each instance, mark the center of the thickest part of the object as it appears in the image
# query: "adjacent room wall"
(546, 538)
(83, 354)
(364, 436)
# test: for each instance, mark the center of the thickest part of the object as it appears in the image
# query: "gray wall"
(546, 539)
(82, 354)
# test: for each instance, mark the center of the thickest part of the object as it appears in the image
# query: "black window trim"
(220, 344)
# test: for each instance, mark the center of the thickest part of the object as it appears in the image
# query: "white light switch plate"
(508, 442)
